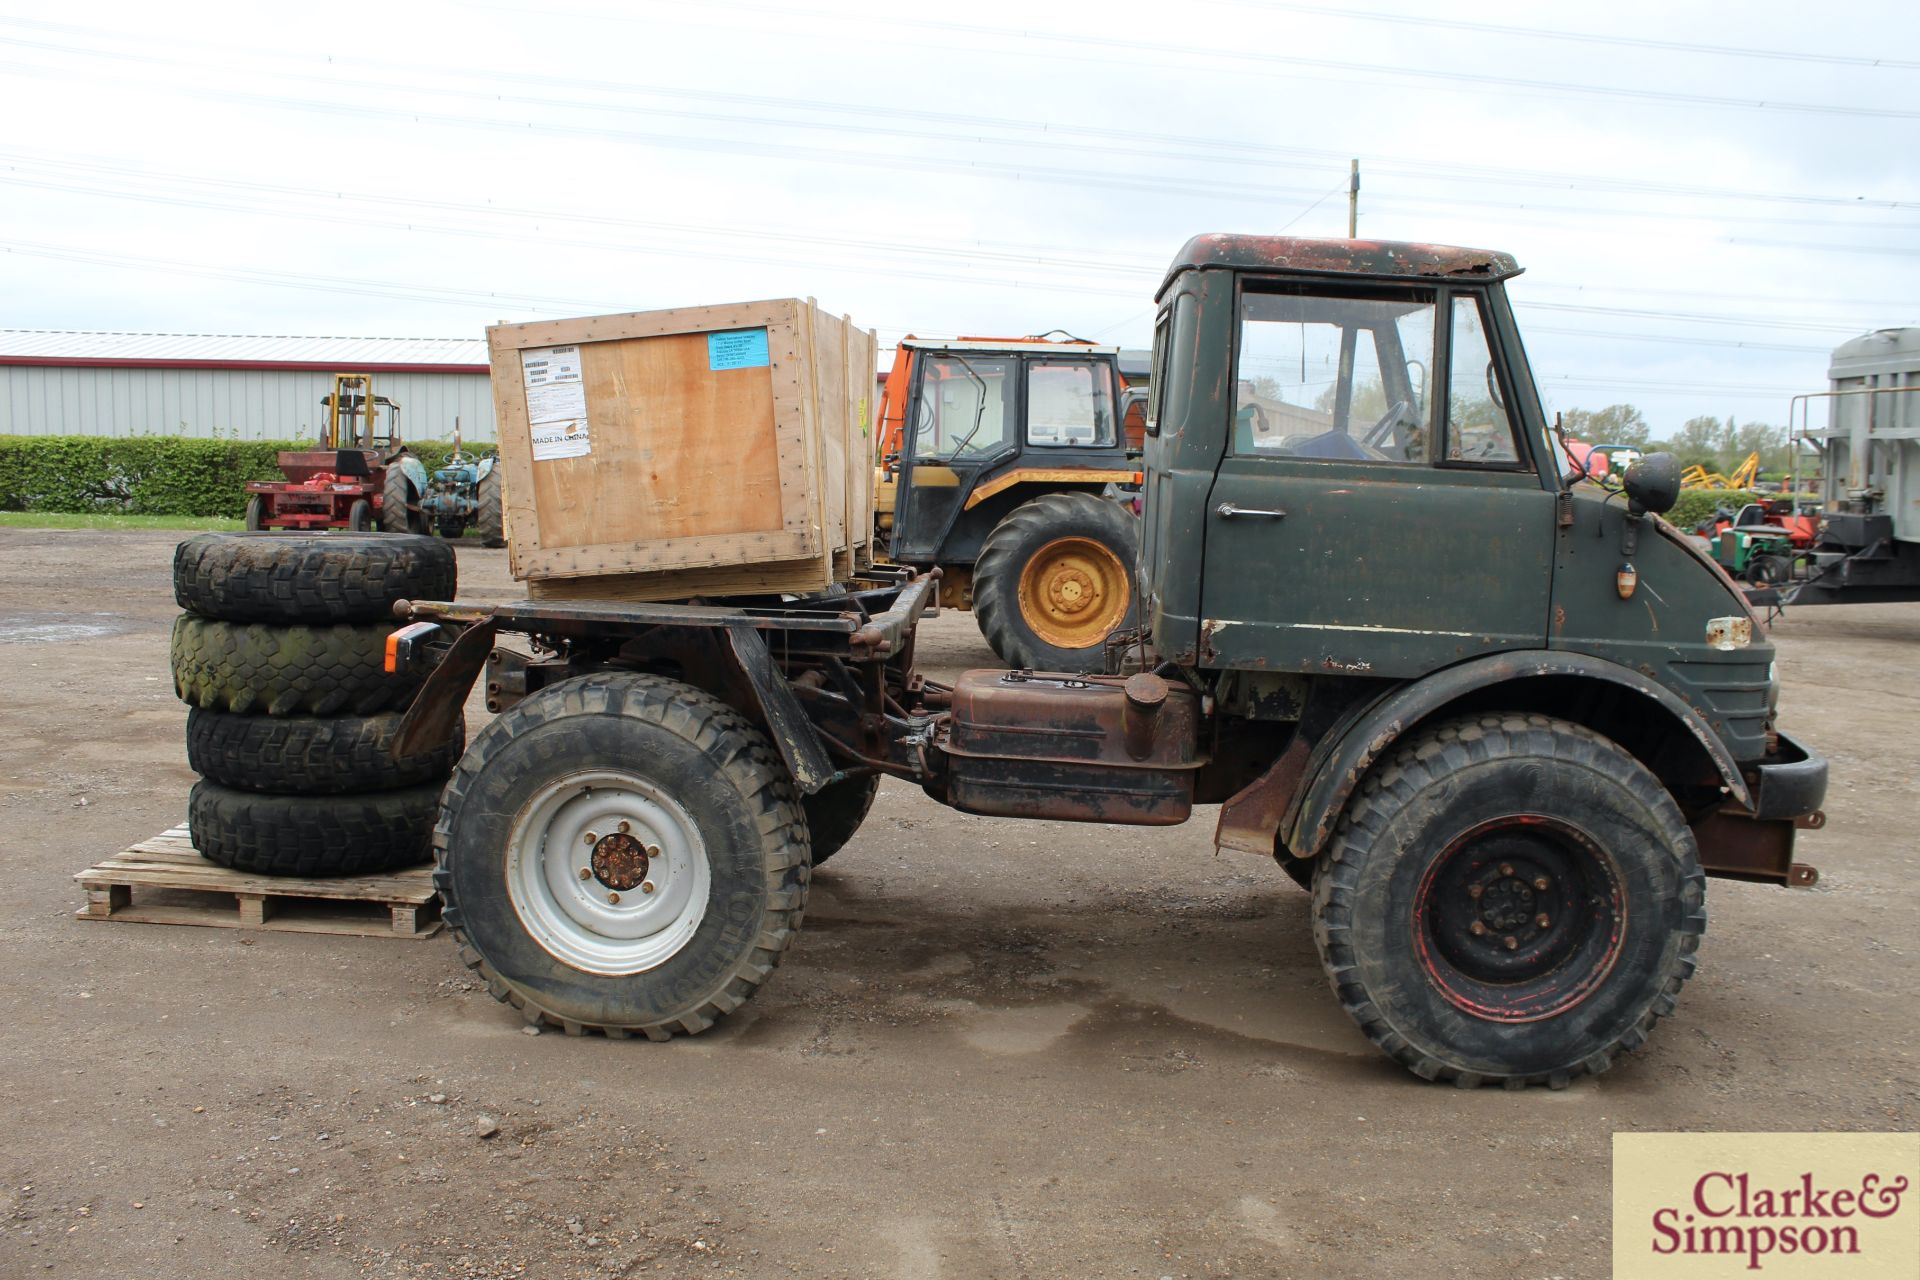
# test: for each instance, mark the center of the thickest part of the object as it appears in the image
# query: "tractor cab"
(1006, 463)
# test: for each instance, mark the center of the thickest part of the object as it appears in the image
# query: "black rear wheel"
(256, 517)
(396, 499)
(360, 516)
(836, 811)
(490, 519)
(1509, 899)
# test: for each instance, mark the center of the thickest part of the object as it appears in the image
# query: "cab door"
(962, 418)
(1375, 512)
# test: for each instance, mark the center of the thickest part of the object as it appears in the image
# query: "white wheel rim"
(607, 914)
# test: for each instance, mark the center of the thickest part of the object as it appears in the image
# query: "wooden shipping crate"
(699, 451)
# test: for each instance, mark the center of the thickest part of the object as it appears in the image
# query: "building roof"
(1391, 258)
(85, 348)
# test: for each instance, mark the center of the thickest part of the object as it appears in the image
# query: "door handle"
(1228, 511)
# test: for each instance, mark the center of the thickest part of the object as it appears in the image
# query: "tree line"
(1718, 444)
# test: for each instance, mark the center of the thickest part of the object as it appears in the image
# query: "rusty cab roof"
(1380, 259)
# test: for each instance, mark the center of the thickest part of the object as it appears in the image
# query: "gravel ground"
(998, 1049)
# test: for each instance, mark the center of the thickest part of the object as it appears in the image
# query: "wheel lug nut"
(1513, 944)
(646, 886)
(625, 827)
(1477, 929)
(613, 899)
(1506, 868)
(1541, 883)
(590, 838)
(1475, 890)
(1542, 920)
(653, 851)
(586, 873)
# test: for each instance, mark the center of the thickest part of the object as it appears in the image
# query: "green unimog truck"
(1502, 721)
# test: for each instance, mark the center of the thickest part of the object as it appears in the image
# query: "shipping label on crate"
(737, 349)
(556, 402)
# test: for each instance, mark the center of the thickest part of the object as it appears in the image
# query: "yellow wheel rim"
(1073, 592)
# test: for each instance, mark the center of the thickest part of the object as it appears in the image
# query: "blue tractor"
(466, 491)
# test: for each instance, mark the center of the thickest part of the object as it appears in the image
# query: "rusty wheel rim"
(1074, 591)
(1520, 918)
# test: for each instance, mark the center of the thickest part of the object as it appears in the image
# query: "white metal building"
(56, 382)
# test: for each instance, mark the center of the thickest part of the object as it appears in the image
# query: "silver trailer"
(1868, 548)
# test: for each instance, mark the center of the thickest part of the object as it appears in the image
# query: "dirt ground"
(998, 1048)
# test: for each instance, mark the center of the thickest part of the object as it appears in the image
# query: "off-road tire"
(715, 763)
(1426, 798)
(254, 669)
(395, 517)
(295, 578)
(490, 519)
(312, 755)
(313, 835)
(836, 811)
(1015, 540)
(256, 517)
(360, 516)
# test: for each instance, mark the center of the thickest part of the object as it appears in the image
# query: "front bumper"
(1790, 783)
(1788, 786)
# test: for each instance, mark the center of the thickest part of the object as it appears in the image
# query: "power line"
(311, 208)
(1053, 131)
(1085, 38)
(1263, 195)
(1575, 37)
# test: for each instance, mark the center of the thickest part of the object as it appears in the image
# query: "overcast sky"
(1707, 196)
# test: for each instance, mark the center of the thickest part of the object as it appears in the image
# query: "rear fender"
(1342, 758)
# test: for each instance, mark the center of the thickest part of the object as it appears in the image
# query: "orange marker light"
(1625, 579)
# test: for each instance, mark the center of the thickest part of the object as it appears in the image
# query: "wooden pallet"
(400, 904)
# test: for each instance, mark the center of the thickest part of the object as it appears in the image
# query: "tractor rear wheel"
(622, 853)
(1509, 899)
(491, 517)
(396, 499)
(1054, 579)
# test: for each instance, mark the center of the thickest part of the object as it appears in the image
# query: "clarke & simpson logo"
(1782, 1205)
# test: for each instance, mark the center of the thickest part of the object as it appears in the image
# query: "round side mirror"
(1653, 483)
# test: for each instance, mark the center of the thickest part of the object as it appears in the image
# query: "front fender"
(1342, 758)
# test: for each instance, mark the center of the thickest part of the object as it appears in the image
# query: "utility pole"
(1353, 202)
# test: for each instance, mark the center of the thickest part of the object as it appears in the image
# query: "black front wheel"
(360, 516)
(1509, 899)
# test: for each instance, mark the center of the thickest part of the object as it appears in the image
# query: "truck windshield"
(965, 405)
(1338, 378)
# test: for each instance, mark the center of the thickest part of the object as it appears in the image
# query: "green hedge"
(149, 475)
(1696, 505)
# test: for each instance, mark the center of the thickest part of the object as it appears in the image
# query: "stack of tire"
(280, 654)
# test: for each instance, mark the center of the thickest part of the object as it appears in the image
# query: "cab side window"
(1069, 403)
(1479, 429)
(1334, 378)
